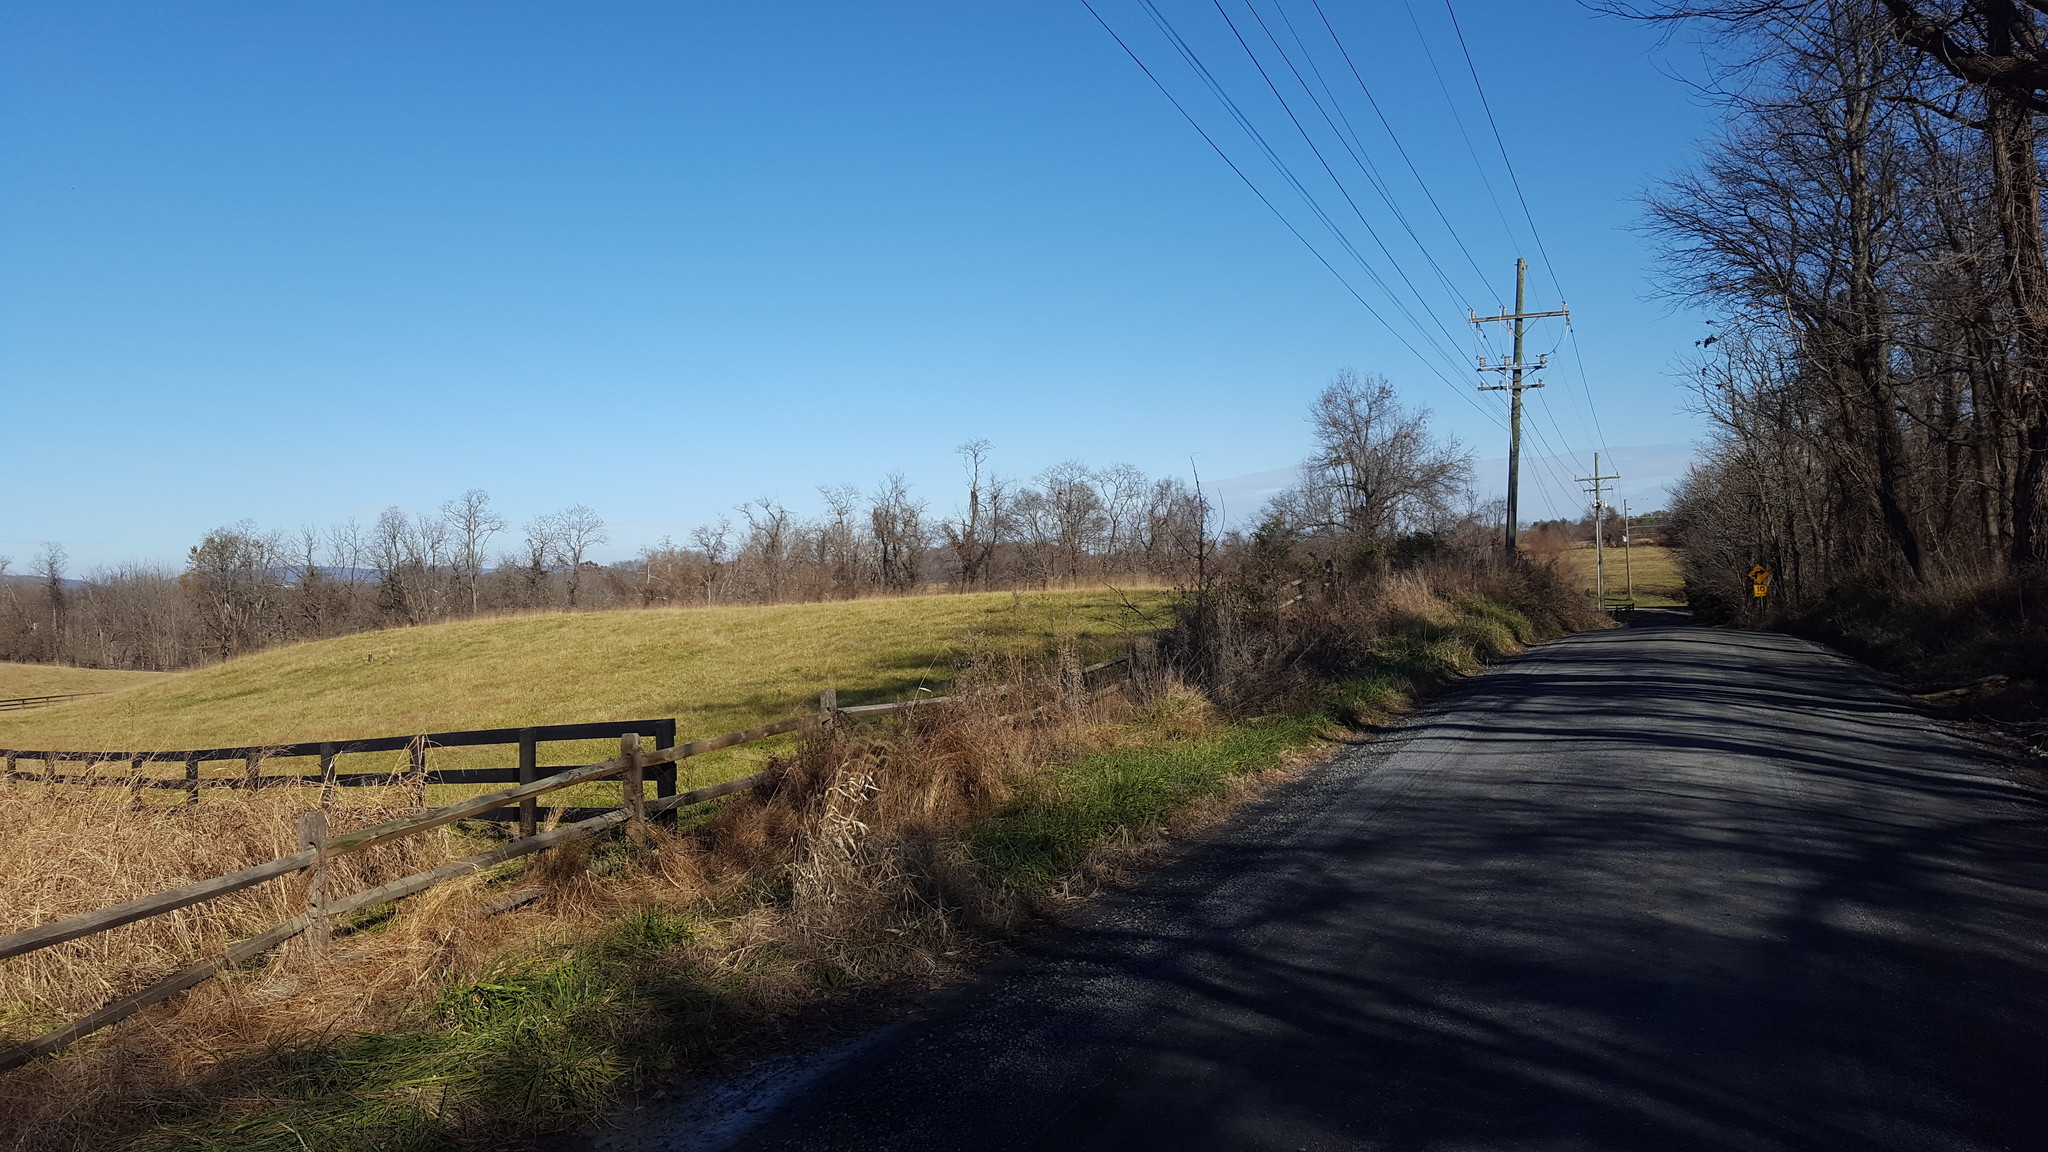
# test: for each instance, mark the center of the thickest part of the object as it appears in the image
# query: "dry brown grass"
(95, 1094)
(65, 851)
(859, 836)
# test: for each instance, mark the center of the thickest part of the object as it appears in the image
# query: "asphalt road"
(1654, 889)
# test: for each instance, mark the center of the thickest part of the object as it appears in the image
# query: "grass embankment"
(1658, 581)
(20, 680)
(715, 670)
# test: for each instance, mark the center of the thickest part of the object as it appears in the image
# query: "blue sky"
(295, 263)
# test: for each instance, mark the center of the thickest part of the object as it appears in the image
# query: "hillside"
(715, 669)
(19, 680)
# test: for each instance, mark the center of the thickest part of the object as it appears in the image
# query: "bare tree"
(309, 598)
(1985, 68)
(766, 550)
(1377, 472)
(577, 530)
(50, 564)
(897, 520)
(473, 522)
(231, 576)
(540, 548)
(984, 524)
(1121, 491)
(1065, 518)
(838, 549)
(714, 542)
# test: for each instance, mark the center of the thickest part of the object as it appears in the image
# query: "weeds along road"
(1663, 888)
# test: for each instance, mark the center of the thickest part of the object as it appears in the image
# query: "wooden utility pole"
(1599, 519)
(1514, 368)
(1627, 555)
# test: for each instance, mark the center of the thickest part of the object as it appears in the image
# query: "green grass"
(1048, 831)
(715, 670)
(1046, 834)
(539, 1043)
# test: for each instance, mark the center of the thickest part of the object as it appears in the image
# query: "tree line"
(244, 588)
(1867, 234)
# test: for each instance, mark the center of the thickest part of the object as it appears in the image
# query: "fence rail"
(39, 701)
(633, 767)
(419, 774)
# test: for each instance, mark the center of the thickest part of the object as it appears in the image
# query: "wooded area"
(243, 588)
(1867, 233)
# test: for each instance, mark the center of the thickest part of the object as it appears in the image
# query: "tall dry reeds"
(869, 828)
(846, 868)
(1257, 641)
(66, 850)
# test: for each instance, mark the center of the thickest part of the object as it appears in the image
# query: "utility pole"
(1514, 368)
(1599, 520)
(1627, 553)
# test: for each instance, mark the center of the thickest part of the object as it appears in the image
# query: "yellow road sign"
(1759, 581)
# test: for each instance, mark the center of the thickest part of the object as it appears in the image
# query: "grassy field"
(19, 680)
(714, 669)
(1657, 580)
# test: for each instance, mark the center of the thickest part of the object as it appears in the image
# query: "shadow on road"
(1677, 888)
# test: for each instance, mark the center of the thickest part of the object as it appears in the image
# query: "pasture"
(715, 670)
(1657, 579)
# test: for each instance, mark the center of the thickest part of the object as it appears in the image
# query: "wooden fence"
(39, 701)
(634, 766)
(418, 774)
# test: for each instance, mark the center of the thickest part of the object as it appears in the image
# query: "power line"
(1352, 143)
(1549, 265)
(1274, 209)
(1458, 118)
(1244, 122)
(1195, 63)
(1394, 136)
(1318, 152)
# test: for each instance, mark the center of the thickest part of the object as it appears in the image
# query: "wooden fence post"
(313, 834)
(633, 784)
(828, 704)
(11, 762)
(529, 761)
(327, 785)
(254, 778)
(1073, 683)
(135, 781)
(418, 750)
(665, 776)
(192, 779)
